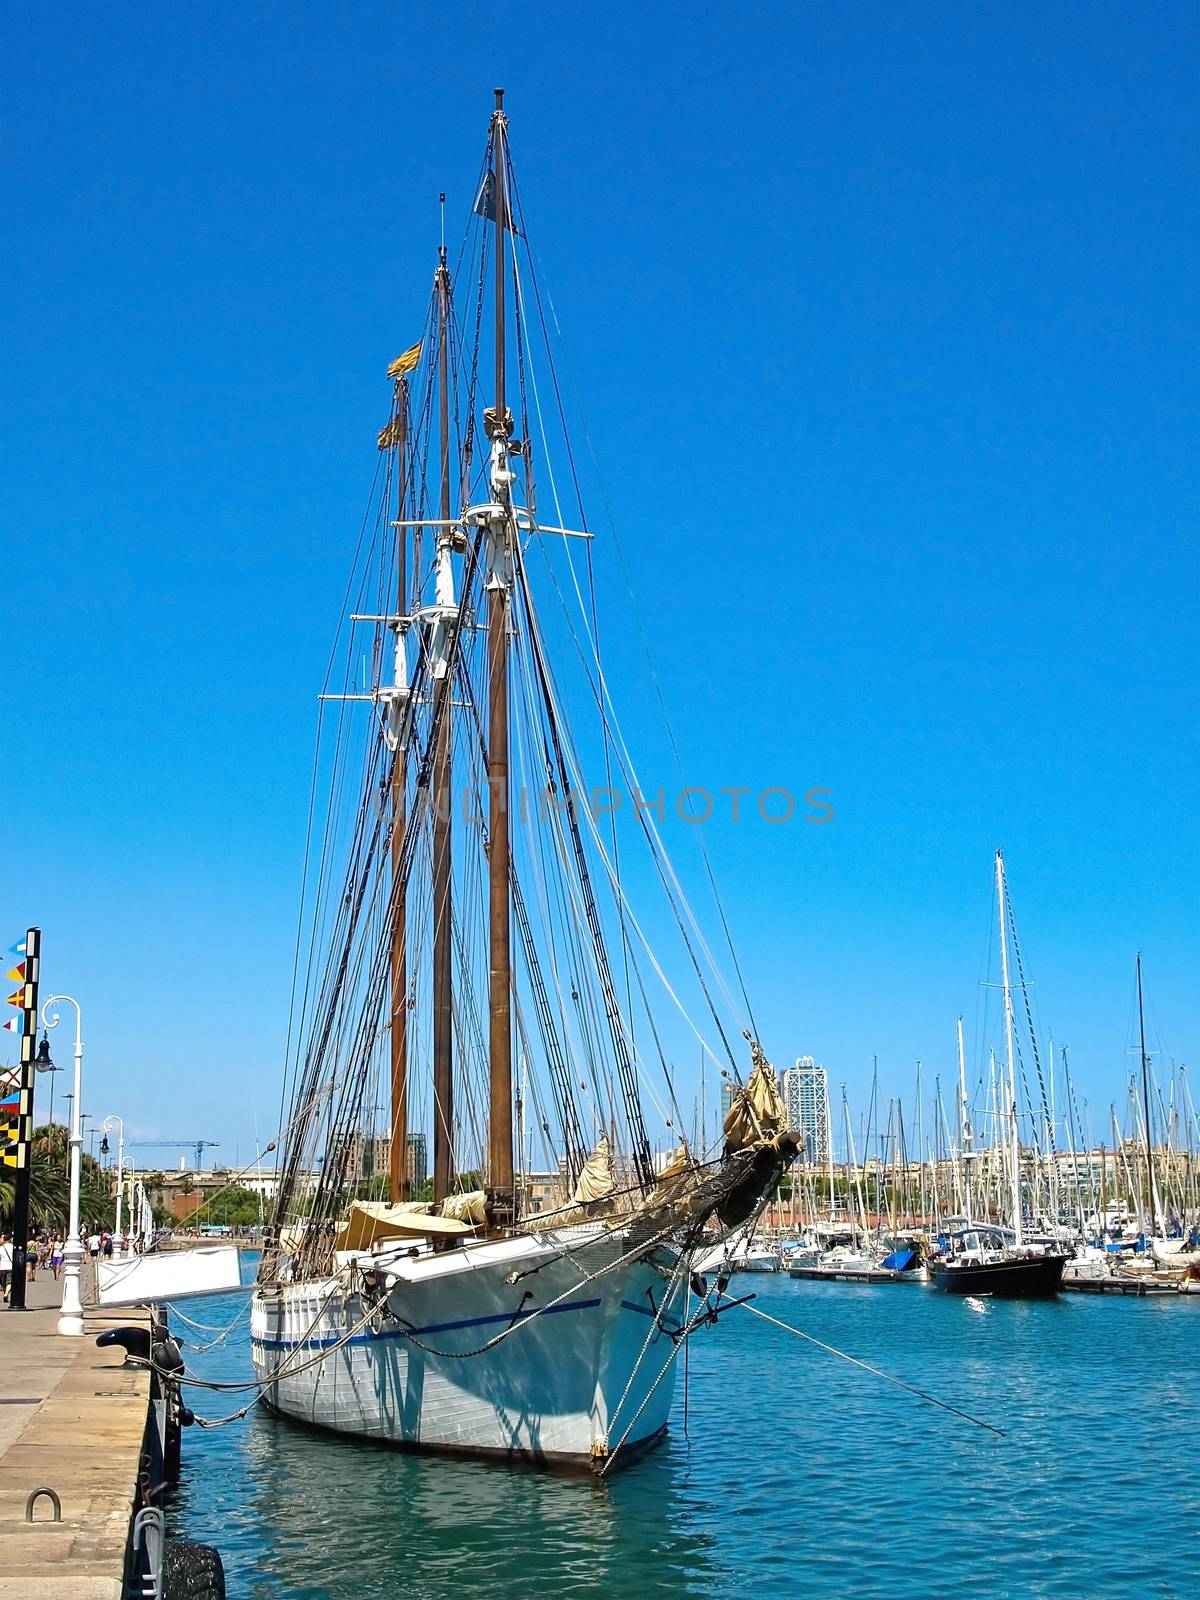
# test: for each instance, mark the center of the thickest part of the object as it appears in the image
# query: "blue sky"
(883, 321)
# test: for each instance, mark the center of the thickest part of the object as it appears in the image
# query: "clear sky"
(884, 323)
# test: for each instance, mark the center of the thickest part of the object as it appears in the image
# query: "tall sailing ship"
(466, 907)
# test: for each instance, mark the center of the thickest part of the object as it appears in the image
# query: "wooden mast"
(443, 701)
(500, 1132)
(398, 1145)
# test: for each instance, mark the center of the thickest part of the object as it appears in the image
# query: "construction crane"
(198, 1145)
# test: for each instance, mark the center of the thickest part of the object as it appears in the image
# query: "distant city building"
(806, 1099)
(369, 1155)
(728, 1090)
(418, 1160)
(544, 1191)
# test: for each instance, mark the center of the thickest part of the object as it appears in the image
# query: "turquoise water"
(798, 1475)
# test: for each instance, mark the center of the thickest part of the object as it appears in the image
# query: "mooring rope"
(832, 1350)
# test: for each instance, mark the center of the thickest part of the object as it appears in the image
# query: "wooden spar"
(443, 701)
(398, 1145)
(500, 1131)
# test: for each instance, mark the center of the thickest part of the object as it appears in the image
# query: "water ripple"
(798, 1474)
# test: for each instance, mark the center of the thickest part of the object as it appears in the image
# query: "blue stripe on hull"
(370, 1337)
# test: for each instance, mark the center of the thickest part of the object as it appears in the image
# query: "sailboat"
(982, 1258)
(1172, 1251)
(466, 895)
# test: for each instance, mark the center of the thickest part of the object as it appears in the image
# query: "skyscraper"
(806, 1099)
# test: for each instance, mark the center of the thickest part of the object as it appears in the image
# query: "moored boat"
(973, 1266)
(453, 1314)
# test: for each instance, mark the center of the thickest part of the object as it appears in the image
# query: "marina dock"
(72, 1420)
(1115, 1285)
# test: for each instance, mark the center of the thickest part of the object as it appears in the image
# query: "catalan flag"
(403, 365)
(393, 434)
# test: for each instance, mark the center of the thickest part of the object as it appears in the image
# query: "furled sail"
(757, 1114)
(597, 1181)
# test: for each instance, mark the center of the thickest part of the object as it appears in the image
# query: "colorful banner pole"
(18, 1150)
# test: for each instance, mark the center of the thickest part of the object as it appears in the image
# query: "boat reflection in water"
(393, 1524)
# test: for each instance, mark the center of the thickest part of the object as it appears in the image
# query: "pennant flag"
(15, 1025)
(485, 203)
(17, 999)
(403, 365)
(16, 974)
(393, 434)
(18, 949)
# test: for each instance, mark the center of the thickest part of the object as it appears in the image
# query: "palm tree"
(48, 1191)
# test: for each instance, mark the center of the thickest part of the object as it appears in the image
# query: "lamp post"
(120, 1165)
(71, 1320)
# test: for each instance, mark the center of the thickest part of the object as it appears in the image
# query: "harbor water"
(792, 1473)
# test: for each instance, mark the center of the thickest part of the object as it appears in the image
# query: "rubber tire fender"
(193, 1572)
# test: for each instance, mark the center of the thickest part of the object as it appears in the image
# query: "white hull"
(578, 1366)
(757, 1261)
(735, 1254)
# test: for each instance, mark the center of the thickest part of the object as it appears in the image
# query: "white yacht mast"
(829, 1146)
(965, 1123)
(1014, 1140)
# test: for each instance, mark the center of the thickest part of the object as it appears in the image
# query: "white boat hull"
(564, 1366)
(757, 1261)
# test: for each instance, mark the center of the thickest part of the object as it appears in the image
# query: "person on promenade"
(106, 1246)
(56, 1257)
(5, 1263)
(93, 1245)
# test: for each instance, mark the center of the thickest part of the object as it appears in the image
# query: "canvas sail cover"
(675, 1178)
(470, 1207)
(597, 1180)
(371, 1220)
(757, 1114)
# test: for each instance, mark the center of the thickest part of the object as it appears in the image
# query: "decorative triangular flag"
(15, 1025)
(20, 949)
(17, 999)
(16, 974)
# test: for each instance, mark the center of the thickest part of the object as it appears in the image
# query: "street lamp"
(71, 1320)
(120, 1165)
(43, 1063)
